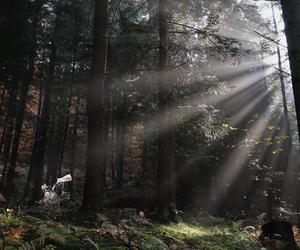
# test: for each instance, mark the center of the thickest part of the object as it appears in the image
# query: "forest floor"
(38, 229)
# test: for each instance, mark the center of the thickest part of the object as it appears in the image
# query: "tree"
(23, 98)
(95, 168)
(14, 53)
(291, 10)
(35, 174)
(166, 136)
(120, 138)
(34, 180)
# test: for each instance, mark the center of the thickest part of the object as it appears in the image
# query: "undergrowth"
(19, 230)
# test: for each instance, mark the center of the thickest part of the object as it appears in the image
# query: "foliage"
(199, 233)
(207, 233)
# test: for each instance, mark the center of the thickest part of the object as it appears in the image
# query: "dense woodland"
(145, 124)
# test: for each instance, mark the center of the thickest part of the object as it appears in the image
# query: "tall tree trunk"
(74, 144)
(282, 84)
(54, 145)
(9, 176)
(35, 175)
(37, 131)
(287, 144)
(2, 140)
(112, 140)
(165, 140)
(264, 80)
(106, 122)
(2, 100)
(51, 146)
(291, 10)
(23, 99)
(120, 140)
(291, 17)
(66, 124)
(71, 90)
(11, 114)
(95, 169)
(61, 136)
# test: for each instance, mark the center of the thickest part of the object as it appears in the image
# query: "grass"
(23, 231)
(208, 234)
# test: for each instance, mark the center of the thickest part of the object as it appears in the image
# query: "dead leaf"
(16, 233)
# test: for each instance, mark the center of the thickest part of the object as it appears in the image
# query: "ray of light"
(241, 114)
(224, 69)
(232, 32)
(250, 110)
(235, 162)
(237, 84)
(291, 176)
(198, 99)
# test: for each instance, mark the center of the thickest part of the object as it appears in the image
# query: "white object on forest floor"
(250, 229)
(55, 194)
(61, 181)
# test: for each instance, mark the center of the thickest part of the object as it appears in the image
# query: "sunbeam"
(235, 162)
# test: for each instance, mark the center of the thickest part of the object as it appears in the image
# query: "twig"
(114, 12)
(282, 71)
(269, 38)
(205, 35)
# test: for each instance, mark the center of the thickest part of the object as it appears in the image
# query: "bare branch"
(282, 71)
(269, 38)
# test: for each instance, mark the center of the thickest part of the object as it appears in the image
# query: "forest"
(150, 124)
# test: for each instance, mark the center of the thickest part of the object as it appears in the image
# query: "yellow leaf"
(233, 129)
(277, 151)
(227, 126)
(270, 127)
(224, 125)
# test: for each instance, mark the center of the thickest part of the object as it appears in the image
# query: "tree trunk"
(8, 182)
(35, 175)
(2, 100)
(74, 144)
(112, 142)
(71, 90)
(37, 131)
(120, 140)
(95, 169)
(66, 123)
(284, 99)
(291, 17)
(22, 103)
(54, 145)
(165, 140)
(291, 10)
(2, 140)
(51, 146)
(11, 114)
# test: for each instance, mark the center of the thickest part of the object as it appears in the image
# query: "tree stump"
(278, 230)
